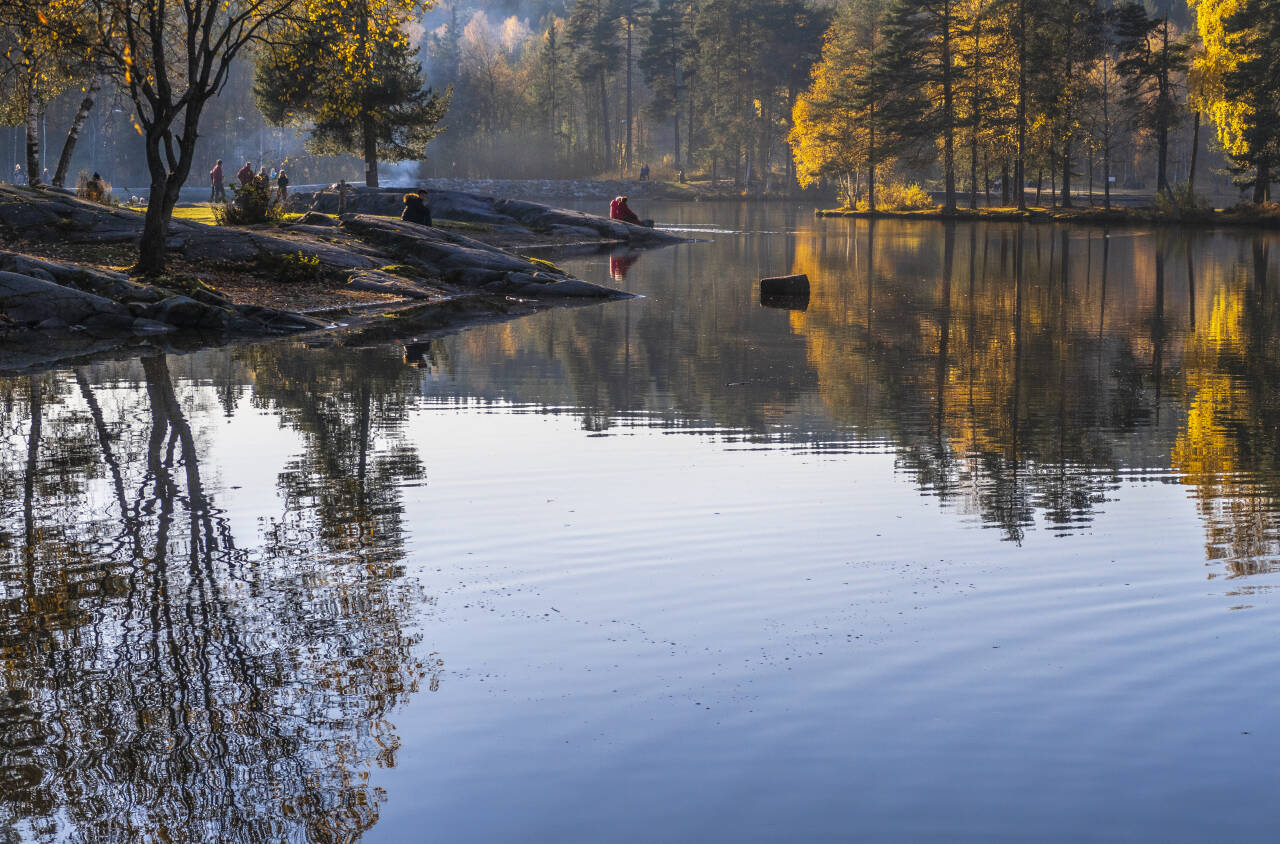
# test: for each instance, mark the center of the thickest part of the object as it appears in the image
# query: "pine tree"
(1151, 62)
(361, 92)
(919, 59)
(667, 64)
(592, 30)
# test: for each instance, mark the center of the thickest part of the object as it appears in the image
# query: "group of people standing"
(245, 176)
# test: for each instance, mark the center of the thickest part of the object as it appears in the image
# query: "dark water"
(977, 544)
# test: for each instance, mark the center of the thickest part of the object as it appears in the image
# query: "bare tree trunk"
(1019, 169)
(166, 184)
(675, 134)
(370, 132)
(871, 161)
(627, 152)
(1195, 152)
(32, 120)
(948, 115)
(688, 131)
(1066, 172)
(604, 124)
(73, 134)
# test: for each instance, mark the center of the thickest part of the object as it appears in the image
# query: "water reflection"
(164, 680)
(1018, 373)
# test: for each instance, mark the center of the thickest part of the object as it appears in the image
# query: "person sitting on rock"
(618, 210)
(415, 210)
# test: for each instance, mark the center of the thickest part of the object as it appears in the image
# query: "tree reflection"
(161, 681)
(1019, 372)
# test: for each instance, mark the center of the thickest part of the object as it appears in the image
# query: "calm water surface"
(977, 544)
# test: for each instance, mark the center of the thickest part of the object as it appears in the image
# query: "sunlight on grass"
(203, 213)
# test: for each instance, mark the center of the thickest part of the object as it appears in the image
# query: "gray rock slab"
(30, 301)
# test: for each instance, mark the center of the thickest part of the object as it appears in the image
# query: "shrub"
(94, 190)
(291, 268)
(895, 196)
(1181, 202)
(253, 203)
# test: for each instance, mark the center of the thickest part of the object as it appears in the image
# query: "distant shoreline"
(1265, 217)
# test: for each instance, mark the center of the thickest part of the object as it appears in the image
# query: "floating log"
(785, 285)
(786, 301)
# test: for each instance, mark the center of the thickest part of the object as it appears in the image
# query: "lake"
(979, 542)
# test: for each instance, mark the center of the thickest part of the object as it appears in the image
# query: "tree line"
(604, 86)
(994, 90)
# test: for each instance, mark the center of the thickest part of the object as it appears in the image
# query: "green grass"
(203, 213)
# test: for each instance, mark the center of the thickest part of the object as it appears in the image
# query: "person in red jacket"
(217, 194)
(245, 174)
(618, 210)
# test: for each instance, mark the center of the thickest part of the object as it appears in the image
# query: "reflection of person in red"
(620, 263)
(618, 210)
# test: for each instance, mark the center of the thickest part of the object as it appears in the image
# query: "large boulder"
(30, 301)
(186, 312)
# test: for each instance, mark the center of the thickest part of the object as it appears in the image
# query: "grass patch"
(545, 265)
(292, 267)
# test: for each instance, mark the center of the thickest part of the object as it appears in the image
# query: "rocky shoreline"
(60, 297)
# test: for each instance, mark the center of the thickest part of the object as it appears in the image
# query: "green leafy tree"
(1253, 33)
(353, 78)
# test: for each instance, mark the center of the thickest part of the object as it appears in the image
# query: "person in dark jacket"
(415, 210)
(217, 193)
(282, 187)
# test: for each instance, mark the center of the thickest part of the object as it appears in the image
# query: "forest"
(976, 101)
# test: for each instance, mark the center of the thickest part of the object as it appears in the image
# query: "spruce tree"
(1151, 62)
(366, 98)
(667, 64)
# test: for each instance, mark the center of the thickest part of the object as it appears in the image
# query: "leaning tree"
(172, 57)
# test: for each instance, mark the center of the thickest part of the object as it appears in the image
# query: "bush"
(292, 268)
(895, 196)
(1181, 202)
(94, 190)
(253, 203)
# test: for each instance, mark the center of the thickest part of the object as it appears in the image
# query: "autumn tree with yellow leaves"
(40, 48)
(839, 126)
(346, 70)
(170, 58)
(1238, 84)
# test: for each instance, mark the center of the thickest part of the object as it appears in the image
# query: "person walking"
(17, 175)
(245, 174)
(282, 187)
(217, 192)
